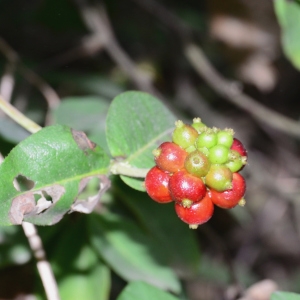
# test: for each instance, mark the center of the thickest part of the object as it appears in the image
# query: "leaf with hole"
(52, 167)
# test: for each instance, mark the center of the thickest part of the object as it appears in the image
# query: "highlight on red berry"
(198, 169)
(186, 188)
(156, 184)
(230, 198)
(169, 157)
(197, 214)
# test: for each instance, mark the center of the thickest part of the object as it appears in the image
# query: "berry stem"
(124, 168)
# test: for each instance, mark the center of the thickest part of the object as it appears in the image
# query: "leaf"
(138, 290)
(184, 257)
(58, 162)
(81, 113)
(84, 113)
(129, 252)
(136, 124)
(11, 131)
(72, 251)
(288, 15)
(285, 296)
(92, 285)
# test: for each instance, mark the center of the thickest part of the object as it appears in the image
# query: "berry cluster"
(197, 170)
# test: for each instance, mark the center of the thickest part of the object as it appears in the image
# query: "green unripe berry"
(184, 135)
(197, 164)
(225, 137)
(236, 161)
(207, 139)
(219, 178)
(198, 125)
(218, 154)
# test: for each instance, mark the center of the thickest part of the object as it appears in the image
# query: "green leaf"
(11, 131)
(81, 113)
(285, 296)
(73, 251)
(129, 252)
(184, 256)
(288, 15)
(138, 290)
(136, 124)
(57, 162)
(92, 285)
(84, 113)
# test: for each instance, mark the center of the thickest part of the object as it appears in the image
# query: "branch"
(18, 117)
(232, 93)
(47, 91)
(96, 19)
(225, 88)
(43, 266)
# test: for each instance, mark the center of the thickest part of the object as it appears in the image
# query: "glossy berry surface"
(199, 125)
(186, 188)
(236, 161)
(156, 184)
(169, 157)
(219, 178)
(218, 154)
(239, 147)
(225, 137)
(197, 163)
(184, 135)
(230, 198)
(197, 214)
(207, 139)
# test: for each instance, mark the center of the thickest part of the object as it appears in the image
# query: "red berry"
(186, 188)
(184, 135)
(230, 198)
(169, 157)
(197, 214)
(156, 184)
(239, 147)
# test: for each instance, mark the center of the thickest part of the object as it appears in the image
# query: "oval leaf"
(136, 124)
(54, 164)
(129, 252)
(288, 15)
(138, 290)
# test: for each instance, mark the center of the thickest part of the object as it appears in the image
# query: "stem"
(123, 168)
(43, 266)
(18, 117)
